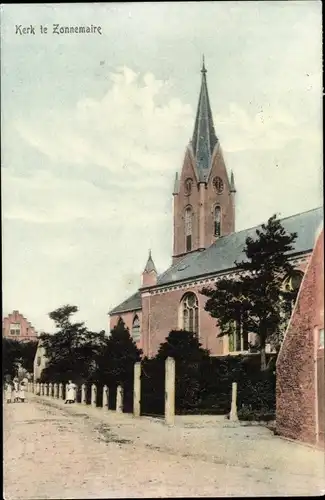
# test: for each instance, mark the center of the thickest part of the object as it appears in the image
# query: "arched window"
(188, 228)
(190, 313)
(217, 221)
(238, 338)
(136, 329)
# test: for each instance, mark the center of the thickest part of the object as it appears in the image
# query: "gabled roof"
(222, 254)
(132, 303)
(204, 137)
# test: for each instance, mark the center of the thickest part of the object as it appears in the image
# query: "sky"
(94, 127)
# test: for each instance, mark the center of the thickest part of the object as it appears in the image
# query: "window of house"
(188, 229)
(217, 221)
(15, 329)
(238, 339)
(38, 360)
(321, 339)
(136, 329)
(190, 313)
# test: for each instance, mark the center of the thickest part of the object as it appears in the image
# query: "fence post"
(50, 389)
(42, 389)
(105, 396)
(137, 389)
(55, 391)
(233, 411)
(119, 399)
(93, 400)
(170, 391)
(83, 394)
(61, 391)
(46, 389)
(38, 389)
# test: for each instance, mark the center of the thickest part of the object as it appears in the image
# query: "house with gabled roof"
(206, 246)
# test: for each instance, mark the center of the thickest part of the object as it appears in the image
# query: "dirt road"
(63, 452)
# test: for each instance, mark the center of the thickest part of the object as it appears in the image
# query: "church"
(205, 247)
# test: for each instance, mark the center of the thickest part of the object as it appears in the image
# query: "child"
(15, 391)
(21, 393)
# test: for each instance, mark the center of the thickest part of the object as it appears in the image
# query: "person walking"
(71, 393)
(16, 389)
(8, 391)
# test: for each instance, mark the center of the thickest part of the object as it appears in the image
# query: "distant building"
(40, 361)
(300, 392)
(16, 327)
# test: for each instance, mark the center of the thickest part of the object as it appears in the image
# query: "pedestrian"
(21, 392)
(71, 393)
(8, 391)
(15, 391)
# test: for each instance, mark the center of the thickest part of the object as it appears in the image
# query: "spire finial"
(203, 70)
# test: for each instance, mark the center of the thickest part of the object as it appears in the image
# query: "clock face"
(218, 184)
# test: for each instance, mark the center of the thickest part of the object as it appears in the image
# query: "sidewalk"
(216, 442)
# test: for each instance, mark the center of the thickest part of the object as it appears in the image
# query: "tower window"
(217, 221)
(190, 313)
(188, 186)
(218, 184)
(188, 229)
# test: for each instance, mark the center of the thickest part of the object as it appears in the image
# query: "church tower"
(204, 196)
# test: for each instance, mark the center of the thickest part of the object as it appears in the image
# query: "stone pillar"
(93, 400)
(137, 389)
(38, 388)
(55, 391)
(50, 389)
(233, 411)
(119, 399)
(83, 394)
(170, 391)
(105, 397)
(61, 391)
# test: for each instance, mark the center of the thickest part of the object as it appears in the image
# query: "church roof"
(133, 303)
(204, 137)
(221, 255)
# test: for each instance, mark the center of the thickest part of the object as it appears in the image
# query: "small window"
(188, 229)
(321, 339)
(38, 360)
(188, 186)
(217, 221)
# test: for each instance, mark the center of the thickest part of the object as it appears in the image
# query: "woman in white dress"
(15, 391)
(21, 392)
(8, 391)
(71, 393)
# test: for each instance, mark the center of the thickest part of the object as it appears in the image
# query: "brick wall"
(296, 366)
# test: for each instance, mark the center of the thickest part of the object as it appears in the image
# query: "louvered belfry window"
(188, 229)
(217, 221)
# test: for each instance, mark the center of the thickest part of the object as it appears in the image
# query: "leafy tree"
(253, 300)
(115, 362)
(189, 356)
(16, 354)
(71, 350)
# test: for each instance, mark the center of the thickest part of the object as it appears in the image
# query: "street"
(52, 450)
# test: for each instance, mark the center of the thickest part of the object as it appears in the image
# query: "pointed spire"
(232, 183)
(204, 137)
(150, 266)
(176, 184)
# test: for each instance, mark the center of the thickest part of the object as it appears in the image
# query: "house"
(16, 327)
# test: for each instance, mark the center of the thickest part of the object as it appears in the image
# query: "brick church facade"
(205, 247)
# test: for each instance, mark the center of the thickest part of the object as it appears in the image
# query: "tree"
(189, 357)
(18, 354)
(71, 350)
(115, 362)
(253, 299)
